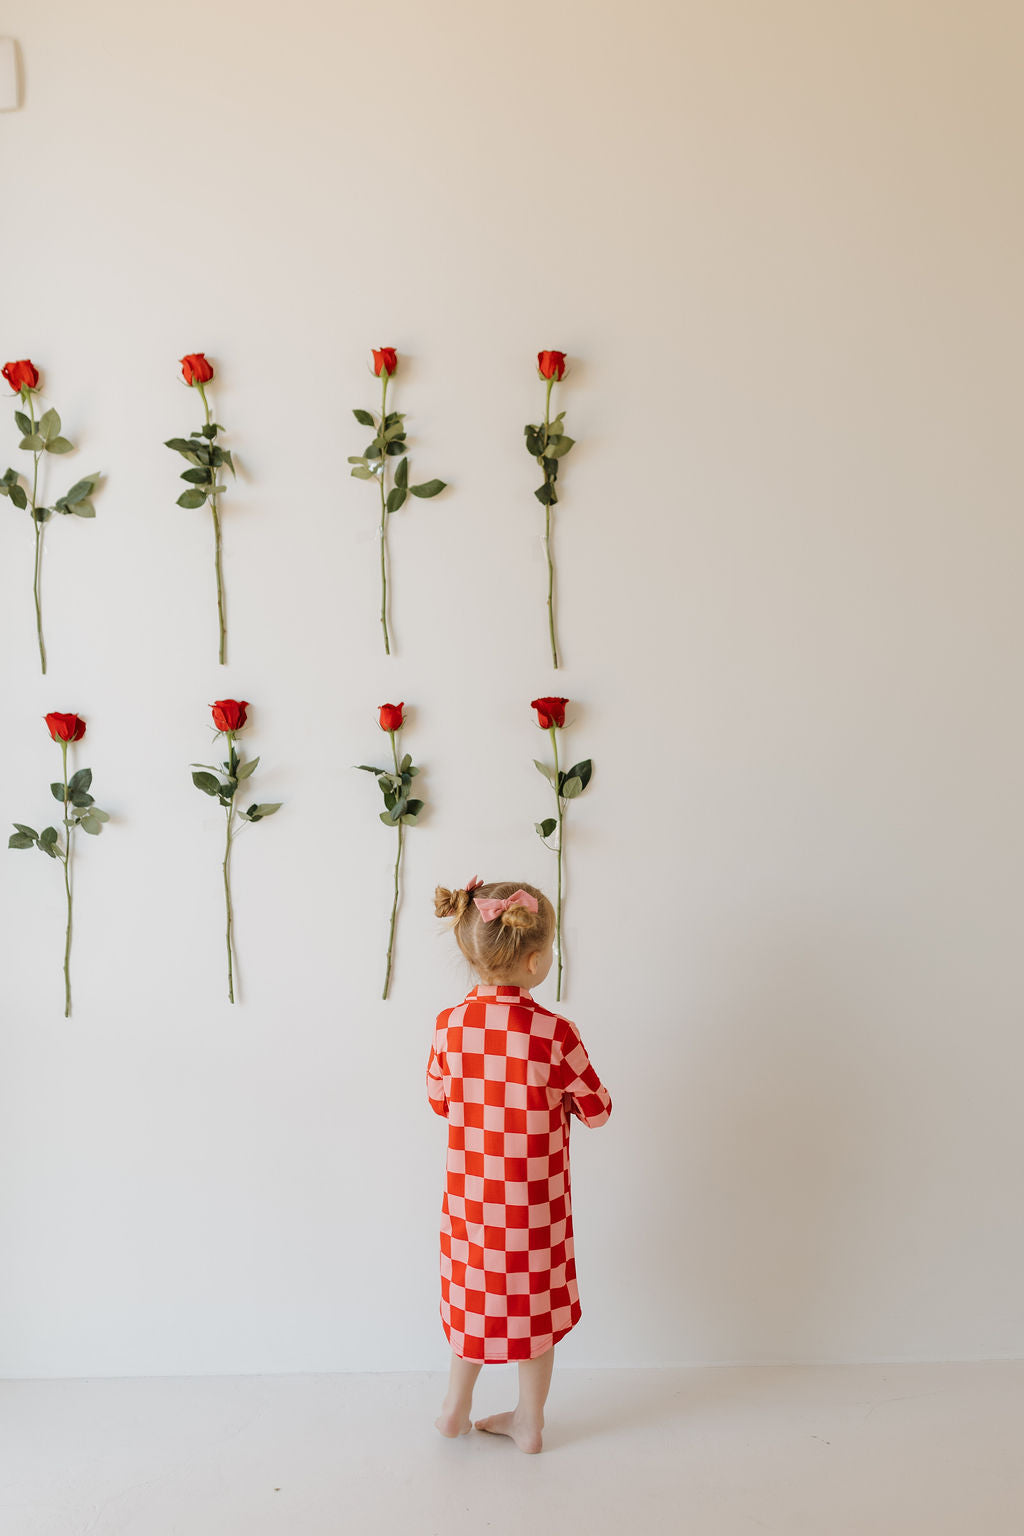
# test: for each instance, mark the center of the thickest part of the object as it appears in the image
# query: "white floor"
(911, 1450)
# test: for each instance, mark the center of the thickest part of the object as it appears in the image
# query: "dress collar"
(501, 994)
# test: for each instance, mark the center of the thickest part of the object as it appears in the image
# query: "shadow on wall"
(753, 1130)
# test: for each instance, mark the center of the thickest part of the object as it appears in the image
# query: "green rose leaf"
(207, 783)
(25, 831)
(559, 446)
(402, 472)
(18, 497)
(79, 799)
(364, 418)
(81, 780)
(83, 509)
(57, 791)
(268, 809)
(546, 495)
(546, 827)
(363, 474)
(244, 769)
(47, 848)
(428, 488)
(81, 489)
(571, 788)
(201, 475)
(48, 836)
(33, 442)
(49, 425)
(20, 840)
(191, 498)
(24, 423)
(59, 445)
(545, 769)
(396, 498)
(581, 771)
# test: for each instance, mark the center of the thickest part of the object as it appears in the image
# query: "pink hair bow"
(490, 907)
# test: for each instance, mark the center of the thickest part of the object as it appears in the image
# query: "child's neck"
(521, 979)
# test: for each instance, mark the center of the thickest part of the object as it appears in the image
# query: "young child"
(507, 1073)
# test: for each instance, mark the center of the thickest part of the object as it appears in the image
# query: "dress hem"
(507, 1359)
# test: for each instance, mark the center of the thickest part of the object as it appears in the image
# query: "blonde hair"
(495, 948)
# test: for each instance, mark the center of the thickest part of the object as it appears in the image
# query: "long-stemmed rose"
(206, 460)
(548, 443)
(388, 443)
(229, 717)
(80, 810)
(400, 811)
(37, 438)
(567, 784)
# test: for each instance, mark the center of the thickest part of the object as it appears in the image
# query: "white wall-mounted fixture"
(9, 82)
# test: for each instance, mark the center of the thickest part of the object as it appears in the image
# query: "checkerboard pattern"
(506, 1073)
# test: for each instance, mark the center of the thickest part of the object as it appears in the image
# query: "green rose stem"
(398, 860)
(547, 537)
(558, 907)
(67, 879)
(383, 540)
(39, 538)
(230, 814)
(217, 544)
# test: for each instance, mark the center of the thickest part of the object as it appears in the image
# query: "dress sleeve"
(586, 1096)
(435, 1085)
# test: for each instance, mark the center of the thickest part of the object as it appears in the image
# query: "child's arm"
(435, 1085)
(584, 1094)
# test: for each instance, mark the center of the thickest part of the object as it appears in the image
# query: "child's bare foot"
(526, 1436)
(452, 1425)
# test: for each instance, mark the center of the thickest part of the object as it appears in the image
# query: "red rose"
(385, 359)
(551, 365)
(195, 369)
(66, 727)
(229, 714)
(22, 375)
(391, 717)
(550, 712)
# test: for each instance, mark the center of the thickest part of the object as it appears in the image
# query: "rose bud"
(229, 714)
(385, 360)
(195, 369)
(21, 375)
(550, 712)
(391, 717)
(65, 727)
(551, 365)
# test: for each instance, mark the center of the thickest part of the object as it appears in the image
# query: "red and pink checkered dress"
(504, 1071)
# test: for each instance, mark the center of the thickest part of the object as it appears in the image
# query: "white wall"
(782, 245)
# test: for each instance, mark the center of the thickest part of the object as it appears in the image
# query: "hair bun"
(519, 917)
(450, 903)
